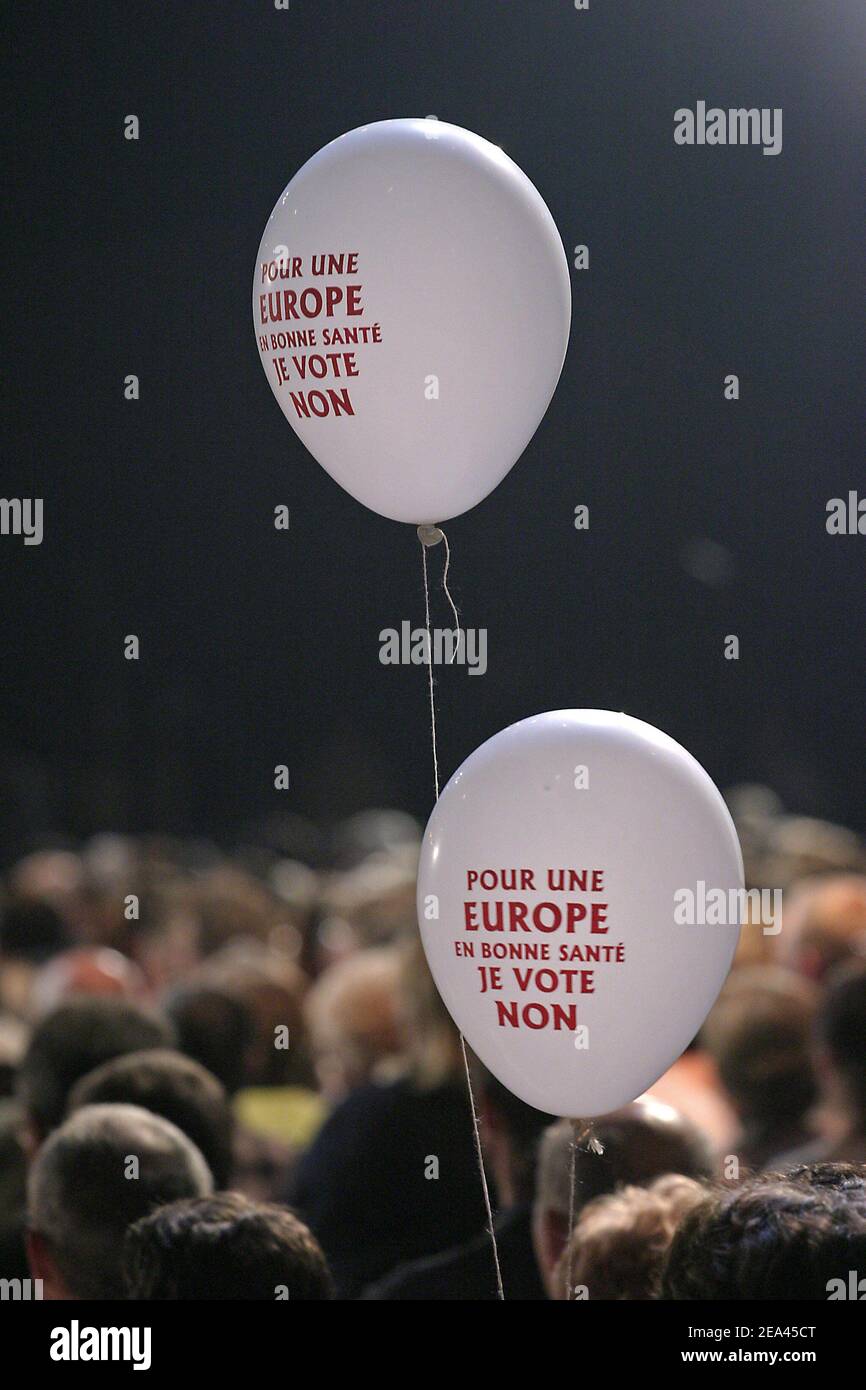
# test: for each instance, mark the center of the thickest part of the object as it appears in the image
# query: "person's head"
(353, 1018)
(71, 1041)
(54, 876)
(105, 1167)
(224, 1247)
(173, 1086)
(841, 1031)
(96, 971)
(766, 1240)
(271, 988)
(230, 905)
(31, 931)
(618, 1246)
(640, 1142)
(275, 999)
(215, 1029)
(824, 924)
(759, 1036)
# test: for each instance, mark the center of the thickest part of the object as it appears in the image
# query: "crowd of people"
(228, 1075)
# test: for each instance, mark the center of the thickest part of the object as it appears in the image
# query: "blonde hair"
(619, 1244)
(352, 1010)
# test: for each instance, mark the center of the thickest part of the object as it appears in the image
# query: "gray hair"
(105, 1167)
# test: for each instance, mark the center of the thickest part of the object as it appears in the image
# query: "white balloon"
(646, 835)
(432, 342)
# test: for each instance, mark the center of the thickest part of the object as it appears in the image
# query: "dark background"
(260, 647)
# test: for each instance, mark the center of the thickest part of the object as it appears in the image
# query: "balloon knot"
(430, 535)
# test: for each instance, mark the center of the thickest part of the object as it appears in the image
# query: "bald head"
(640, 1142)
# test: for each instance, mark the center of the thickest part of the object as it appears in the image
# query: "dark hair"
(224, 1247)
(842, 1028)
(71, 1041)
(215, 1029)
(758, 1034)
(31, 931)
(840, 1177)
(766, 1240)
(168, 1084)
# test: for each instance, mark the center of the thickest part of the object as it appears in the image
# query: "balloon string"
(569, 1291)
(594, 1146)
(448, 592)
(430, 671)
(500, 1292)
